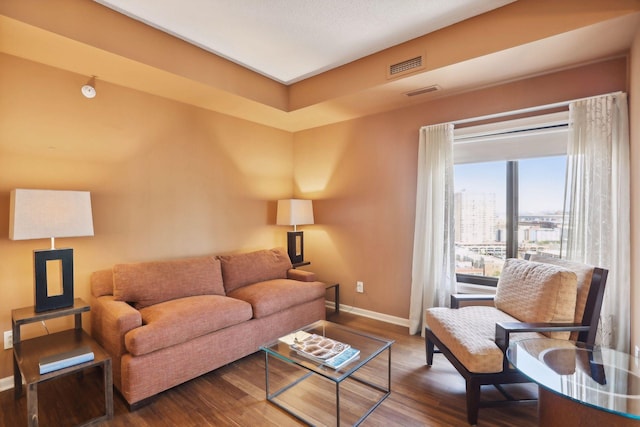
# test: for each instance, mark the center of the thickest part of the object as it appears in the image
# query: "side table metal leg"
(336, 296)
(32, 405)
(108, 388)
(17, 379)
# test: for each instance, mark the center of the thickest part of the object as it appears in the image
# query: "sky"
(541, 183)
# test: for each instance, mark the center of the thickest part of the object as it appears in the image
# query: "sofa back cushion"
(244, 269)
(148, 283)
(536, 292)
(102, 283)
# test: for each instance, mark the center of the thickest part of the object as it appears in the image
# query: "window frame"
(477, 280)
(512, 209)
(505, 130)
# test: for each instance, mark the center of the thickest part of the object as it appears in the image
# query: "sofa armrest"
(456, 299)
(110, 321)
(301, 275)
(505, 329)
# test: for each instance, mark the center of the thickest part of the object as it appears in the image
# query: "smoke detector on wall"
(89, 90)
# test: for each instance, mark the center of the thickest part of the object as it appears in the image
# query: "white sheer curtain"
(433, 271)
(597, 217)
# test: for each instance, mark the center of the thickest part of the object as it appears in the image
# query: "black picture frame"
(295, 246)
(44, 301)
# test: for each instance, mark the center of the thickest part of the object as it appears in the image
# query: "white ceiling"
(290, 40)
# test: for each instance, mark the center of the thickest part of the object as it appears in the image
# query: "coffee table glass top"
(599, 377)
(370, 346)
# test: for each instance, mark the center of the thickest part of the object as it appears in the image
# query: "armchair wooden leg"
(430, 348)
(473, 401)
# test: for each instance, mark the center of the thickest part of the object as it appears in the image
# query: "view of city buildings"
(481, 234)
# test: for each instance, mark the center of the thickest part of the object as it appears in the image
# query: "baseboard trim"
(374, 315)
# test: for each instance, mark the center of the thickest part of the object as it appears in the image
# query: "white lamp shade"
(38, 214)
(294, 212)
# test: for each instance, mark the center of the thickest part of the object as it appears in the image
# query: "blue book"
(64, 360)
(347, 356)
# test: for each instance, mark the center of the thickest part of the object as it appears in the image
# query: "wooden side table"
(336, 293)
(300, 264)
(27, 354)
(334, 286)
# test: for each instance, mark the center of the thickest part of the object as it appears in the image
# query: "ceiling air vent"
(427, 89)
(405, 66)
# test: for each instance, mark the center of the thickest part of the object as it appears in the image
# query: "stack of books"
(64, 360)
(326, 351)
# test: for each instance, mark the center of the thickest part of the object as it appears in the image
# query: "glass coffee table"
(320, 395)
(580, 384)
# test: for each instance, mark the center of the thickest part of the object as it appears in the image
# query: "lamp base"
(45, 300)
(295, 246)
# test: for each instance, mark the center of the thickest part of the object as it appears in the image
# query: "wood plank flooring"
(234, 395)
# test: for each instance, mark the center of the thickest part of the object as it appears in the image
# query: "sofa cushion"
(180, 320)
(102, 283)
(244, 269)
(469, 333)
(272, 296)
(536, 292)
(148, 283)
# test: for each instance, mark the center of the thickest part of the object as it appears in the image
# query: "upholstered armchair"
(554, 298)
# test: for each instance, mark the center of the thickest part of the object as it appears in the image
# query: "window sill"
(470, 288)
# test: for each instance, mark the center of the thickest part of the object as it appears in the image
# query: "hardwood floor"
(234, 395)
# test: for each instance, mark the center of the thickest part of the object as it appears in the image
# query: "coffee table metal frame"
(370, 348)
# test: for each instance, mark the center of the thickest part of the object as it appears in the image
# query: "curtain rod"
(528, 110)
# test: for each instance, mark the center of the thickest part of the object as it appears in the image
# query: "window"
(509, 202)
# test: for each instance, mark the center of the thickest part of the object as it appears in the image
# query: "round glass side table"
(579, 384)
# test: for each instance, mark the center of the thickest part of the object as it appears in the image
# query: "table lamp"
(295, 212)
(38, 214)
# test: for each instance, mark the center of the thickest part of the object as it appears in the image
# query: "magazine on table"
(327, 351)
(347, 356)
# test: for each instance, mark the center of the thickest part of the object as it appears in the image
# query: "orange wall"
(166, 179)
(634, 115)
(170, 180)
(362, 173)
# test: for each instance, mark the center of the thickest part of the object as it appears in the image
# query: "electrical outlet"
(8, 339)
(359, 287)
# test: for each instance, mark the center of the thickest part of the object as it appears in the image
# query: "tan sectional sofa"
(166, 322)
